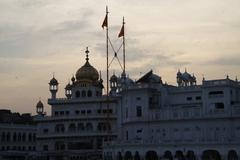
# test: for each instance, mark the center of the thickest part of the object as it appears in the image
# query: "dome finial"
(87, 51)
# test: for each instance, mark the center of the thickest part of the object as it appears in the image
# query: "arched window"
(80, 127)
(8, 137)
(89, 127)
(14, 137)
(19, 137)
(24, 137)
(3, 137)
(83, 93)
(30, 137)
(89, 93)
(77, 94)
(72, 127)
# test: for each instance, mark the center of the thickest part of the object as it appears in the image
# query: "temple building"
(80, 122)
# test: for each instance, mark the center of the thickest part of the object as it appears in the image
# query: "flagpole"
(124, 62)
(108, 129)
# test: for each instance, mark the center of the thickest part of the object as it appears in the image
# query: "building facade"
(81, 122)
(187, 121)
(17, 136)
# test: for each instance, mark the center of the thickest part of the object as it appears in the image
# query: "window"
(62, 113)
(45, 131)
(139, 111)
(83, 111)
(83, 93)
(198, 98)
(67, 112)
(138, 98)
(89, 111)
(56, 113)
(126, 112)
(126, 135)
(189, 98)
(77, 94)
(45, 147)
(99, 111)
(77, 112)
(215, 93)
(89, 93)
(219, 105)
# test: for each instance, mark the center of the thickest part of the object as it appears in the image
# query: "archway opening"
(151, 155)
(179, 155)
(232, 155)
(211, 155)
(128, 156)
(168, 155)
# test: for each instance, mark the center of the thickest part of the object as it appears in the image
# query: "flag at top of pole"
(105, 21)
(121, 33)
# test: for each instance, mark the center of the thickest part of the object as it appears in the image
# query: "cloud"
(227, 61)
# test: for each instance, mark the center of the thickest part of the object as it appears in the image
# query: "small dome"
(179, 73)
(39, 104)
(53, 81)
(113, 78)
(68, 86)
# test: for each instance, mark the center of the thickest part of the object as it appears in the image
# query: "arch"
(30, 137)
(168, 155)
(232, 155)
(83, 93)
(128, 155)
(8, 137)
(19, 137)
(3, 137)
(151, 155)
(14, 137)
(179, 155)
(89, 93)
(24, 137)
(137, 156)
(72, 127)
(77, 94)
(59, 128)
(119, 156)
(190, 155)
(80, 127)
(211, 155)
(89, 127)
(59, 145)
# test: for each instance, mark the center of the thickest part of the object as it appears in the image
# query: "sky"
(42, 37)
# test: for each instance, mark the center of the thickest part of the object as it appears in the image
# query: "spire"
(87, 54)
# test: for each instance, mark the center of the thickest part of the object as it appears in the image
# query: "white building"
(187, 121)
(79, 123)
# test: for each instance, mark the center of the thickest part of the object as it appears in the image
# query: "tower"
(68, 91)
(113, 84)
(40, 108)
(53, 87)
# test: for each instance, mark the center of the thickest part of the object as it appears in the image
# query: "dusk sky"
(39, 37)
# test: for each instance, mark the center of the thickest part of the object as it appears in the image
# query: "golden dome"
(87, 72)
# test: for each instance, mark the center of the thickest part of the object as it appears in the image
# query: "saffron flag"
(121, 33)
(105, 22)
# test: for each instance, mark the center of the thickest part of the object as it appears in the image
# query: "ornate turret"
(113, 84)
(40, 108)
(53, 87)
(68, 90)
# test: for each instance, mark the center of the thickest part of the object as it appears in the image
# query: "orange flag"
(105, 22)
(121, 33)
